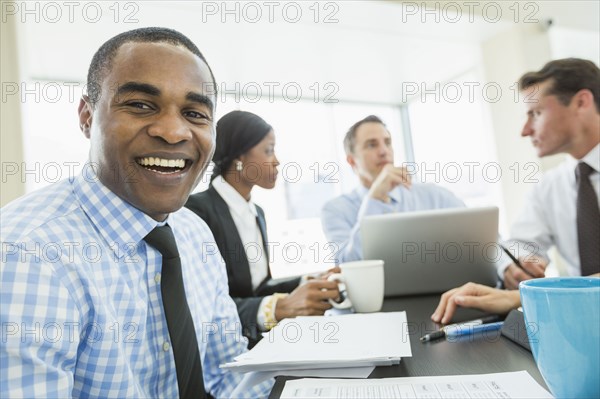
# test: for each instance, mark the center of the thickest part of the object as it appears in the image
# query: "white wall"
(570, 42)
(527, 48)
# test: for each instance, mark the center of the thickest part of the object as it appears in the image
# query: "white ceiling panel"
(367, 49)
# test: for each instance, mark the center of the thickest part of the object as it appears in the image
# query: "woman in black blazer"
(245, 157)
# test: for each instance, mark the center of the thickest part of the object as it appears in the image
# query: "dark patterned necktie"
(588, 221)
(177, 313)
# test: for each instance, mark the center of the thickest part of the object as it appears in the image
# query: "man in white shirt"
(563, 116)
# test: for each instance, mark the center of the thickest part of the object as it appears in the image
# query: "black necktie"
(588, 221)
(177, 312)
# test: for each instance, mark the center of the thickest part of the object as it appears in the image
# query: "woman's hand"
(307, 299)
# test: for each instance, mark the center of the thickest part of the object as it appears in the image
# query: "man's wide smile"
(162, 165)
(164, 168)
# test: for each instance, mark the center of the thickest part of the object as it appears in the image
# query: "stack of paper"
(355, 340)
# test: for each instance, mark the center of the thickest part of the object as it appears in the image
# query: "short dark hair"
(568, 76)
(102, 60)
(350, 138)
(237, 133)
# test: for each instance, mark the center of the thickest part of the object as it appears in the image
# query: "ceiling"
(365, 50)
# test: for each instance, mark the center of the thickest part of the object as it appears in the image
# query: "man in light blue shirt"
(81, 306)
(384, 188)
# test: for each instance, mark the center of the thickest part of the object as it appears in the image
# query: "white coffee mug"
(360, 285)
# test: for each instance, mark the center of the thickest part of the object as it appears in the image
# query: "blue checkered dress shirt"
(80, 301)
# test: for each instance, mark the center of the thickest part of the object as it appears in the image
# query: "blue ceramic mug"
(562, 316)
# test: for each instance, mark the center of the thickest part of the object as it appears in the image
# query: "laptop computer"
(428, 252)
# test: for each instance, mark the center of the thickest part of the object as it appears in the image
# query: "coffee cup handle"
(345, 301)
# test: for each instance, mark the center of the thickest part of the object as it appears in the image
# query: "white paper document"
(256, 377)
(517, 384)
(346, 372)
(316, 342)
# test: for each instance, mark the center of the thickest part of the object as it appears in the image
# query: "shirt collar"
(234, 200)
(117, 221)
(592, 158)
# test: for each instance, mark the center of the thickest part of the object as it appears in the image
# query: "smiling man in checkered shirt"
(80, 300)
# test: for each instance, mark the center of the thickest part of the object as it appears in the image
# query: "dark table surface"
(477, 354)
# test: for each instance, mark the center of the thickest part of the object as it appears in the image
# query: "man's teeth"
(166, 163)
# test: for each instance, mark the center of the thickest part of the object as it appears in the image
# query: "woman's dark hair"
(237, 133)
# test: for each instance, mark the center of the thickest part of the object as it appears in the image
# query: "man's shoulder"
(39, 211)
(556, 179)
(560, 172)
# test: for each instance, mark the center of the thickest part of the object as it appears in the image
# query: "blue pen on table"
(459, 331)
(442, 332)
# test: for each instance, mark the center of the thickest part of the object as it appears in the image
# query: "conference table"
(483, 353)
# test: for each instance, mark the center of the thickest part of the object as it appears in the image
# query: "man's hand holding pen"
(525, 268)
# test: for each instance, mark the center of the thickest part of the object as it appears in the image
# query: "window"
(55, 148)
(452, 144)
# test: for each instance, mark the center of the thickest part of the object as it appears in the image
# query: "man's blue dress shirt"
(80, 302)
(341, 216)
